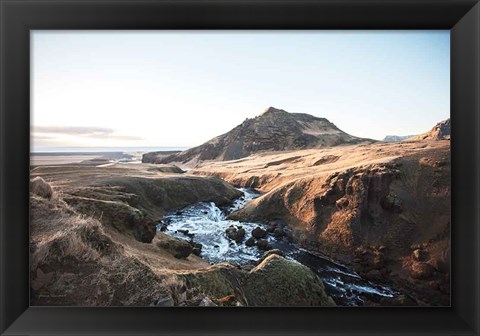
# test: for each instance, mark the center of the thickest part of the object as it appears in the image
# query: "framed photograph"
(231, 167)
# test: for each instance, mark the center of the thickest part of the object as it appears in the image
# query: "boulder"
(263, 244)
(250, 241)
(258, 233)
(40, 187)
(277, 281)
(271, 228)
(274, 251)
(196, 248)
(235, 234)
(278, 232)
(179, 248)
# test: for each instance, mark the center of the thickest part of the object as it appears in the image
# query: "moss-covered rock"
(116, 214)
(277, 281)
(217, 281)
(179, 248)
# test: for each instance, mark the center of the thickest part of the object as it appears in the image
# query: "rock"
(196, 248)
(163, 228)
(235, 234)
(250, 241)
(391, 203)
(39, 187)
(441, 131)
(274, 251)
(166, 301)
(280, 282)
(179, 248)
(263, 244)
(258, 233)
(240, 235)
(271, 228)
(422, 270)
(278, 232)
(119, 215)
(419, 255)
(216, 281)
(207, 302)
(185, 232)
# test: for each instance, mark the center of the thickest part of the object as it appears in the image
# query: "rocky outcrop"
(274, 130)
(277, 281)
(179, 248)
(370, 216)
(166, 169)
(440, 131)
(155, 157)
(134, 205)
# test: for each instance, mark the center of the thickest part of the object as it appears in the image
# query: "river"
(206, 224)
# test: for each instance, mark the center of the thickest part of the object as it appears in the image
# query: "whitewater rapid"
(205, 223)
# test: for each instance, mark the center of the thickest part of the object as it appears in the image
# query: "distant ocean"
(105, 149)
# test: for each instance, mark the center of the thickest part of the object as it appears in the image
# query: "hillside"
(273, 130)
(440, 131)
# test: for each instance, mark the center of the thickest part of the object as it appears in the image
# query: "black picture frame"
(18, 17)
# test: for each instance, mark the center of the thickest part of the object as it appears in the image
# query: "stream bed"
(205, 223)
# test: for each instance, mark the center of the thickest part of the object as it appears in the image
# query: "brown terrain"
(94, 243)
(381, 208)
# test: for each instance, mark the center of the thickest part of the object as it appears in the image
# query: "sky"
(182, 88)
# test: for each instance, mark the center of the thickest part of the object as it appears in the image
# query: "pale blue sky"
(181, 88)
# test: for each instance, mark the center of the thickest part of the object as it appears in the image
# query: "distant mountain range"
(273, 130)
(396, 138)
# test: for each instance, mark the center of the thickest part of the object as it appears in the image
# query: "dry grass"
(176, 288)
(71, 242)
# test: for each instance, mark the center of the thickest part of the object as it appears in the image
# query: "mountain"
(273, 130)
(396, 138)
(440, 131)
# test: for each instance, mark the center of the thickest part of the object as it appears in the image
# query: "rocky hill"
(440, 131)
(273, 130)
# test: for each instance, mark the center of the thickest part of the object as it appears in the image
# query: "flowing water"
(206, 224)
